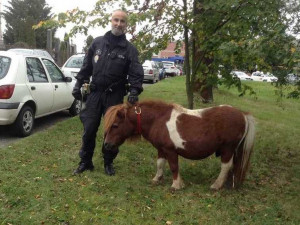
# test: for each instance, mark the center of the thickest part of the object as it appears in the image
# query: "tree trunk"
(189, 76)
(201, 84)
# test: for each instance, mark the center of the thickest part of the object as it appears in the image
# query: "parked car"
(39, 52)
(170, 68)
(73, 65)
(257, 76)
(151, 71)
(180, 70)
(162, 70)
(292, 78)
(241, 75)
(265, 77)
(32, 86)
(268, 77)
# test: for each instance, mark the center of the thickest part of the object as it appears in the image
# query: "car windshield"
(75, 62)
(240, 74)
(4, 66)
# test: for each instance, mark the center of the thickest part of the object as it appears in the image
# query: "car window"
(55, 74)
(35, 70)
(75, 62)
(4, 66)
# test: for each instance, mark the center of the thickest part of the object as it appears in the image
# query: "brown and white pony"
(192, 134)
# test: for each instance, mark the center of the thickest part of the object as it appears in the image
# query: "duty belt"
(110, 88)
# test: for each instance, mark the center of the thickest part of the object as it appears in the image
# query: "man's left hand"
(133, 97)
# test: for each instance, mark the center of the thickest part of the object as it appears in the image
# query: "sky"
(62, 6)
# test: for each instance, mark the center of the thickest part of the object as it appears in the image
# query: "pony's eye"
(114, 125)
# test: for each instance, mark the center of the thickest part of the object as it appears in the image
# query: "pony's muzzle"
(109, 146)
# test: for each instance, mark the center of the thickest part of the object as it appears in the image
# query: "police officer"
(112, 61)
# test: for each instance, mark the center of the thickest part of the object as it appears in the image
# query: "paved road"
(40, 124)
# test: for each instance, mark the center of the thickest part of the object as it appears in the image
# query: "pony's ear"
(121, 113)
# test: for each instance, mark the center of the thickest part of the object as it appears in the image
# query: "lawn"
(37, 186)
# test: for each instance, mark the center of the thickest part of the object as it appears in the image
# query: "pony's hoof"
(178, 187)
(215, 187)
(173, 190)
(158, 181)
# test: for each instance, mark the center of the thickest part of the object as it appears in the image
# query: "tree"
(218, 35)
(88, 42)
(20, 16)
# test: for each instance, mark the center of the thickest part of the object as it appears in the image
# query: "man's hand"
(76, 91)
(133, 96)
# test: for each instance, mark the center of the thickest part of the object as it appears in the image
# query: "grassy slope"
(36, 185)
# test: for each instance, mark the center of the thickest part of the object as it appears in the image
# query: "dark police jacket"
(112, 66)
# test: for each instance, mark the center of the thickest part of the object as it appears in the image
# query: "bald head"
(118, 13)
(118, 22)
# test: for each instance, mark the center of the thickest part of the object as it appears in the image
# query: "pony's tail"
(243, 153)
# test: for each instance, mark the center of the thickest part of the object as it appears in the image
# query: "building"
(169, 54)
(170, 51)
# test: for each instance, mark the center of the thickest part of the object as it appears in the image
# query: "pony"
(193, 134)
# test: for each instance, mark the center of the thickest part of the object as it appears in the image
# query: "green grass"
(37, 186)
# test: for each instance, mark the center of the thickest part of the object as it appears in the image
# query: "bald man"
(112, 62)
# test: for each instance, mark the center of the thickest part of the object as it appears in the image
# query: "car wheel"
(23, 125)
(75, 108)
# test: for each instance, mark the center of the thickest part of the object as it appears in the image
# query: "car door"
(62, 95)
(39, 86)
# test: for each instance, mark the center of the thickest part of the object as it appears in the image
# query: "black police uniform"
(112, 61)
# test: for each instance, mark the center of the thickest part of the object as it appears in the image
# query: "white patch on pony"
(173, 132)
(225, 105)
(161, 162)
(195, 112)
(225, 168)
(178, 183)
(172, 126)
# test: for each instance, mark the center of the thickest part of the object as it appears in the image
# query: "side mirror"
(68, 79)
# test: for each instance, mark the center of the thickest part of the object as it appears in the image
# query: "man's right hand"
(77, 93)
(77, 90)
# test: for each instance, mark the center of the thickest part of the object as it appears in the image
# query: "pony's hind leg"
(160, 163)
(225, 168)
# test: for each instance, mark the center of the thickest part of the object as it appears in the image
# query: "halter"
(138, 112)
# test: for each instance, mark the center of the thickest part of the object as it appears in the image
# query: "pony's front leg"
(173, 163)
(225, 168)
(161, 162)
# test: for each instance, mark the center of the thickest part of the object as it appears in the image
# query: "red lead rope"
(138, 113)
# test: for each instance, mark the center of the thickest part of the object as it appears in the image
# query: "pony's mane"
(111, 114)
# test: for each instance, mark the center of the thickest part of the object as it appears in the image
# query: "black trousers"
(96, 105)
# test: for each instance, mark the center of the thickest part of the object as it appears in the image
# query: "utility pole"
(2, 46)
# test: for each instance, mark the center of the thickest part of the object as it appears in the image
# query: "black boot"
(109, 169)
(83, 167)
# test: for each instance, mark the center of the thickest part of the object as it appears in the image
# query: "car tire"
(75, 109)
(24, 123)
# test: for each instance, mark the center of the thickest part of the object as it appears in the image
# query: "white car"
(25, 51)
(73, 65)
(241, 75)
(170, 68)
(292, 78)
(31, 87)
(268, 77)
(265, 77)
(257, 76)
(151, 71)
